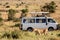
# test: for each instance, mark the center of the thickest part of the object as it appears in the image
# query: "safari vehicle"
(38, 22)
(29, 23)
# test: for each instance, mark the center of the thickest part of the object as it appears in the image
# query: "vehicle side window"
(32, 21)
(43, 20)
(51, 21)
(29, 21)
(24, 20)
(40, 20)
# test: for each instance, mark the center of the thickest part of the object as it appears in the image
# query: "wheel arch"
(30, 27)
(50, 27)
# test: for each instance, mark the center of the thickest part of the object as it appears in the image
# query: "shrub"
(6, 3)
(7, 6)
(6, 34)
(0, 4)
(15, 35)
(50, 7)
(52, 39)
(17, 5)
(16, 20)
(58, 27)
(26, 6)
(1, 24)
(51, 33)
(24, 10)
(58, 35)
(22, 3)
(11, 14)
(1, 19)
(17, 25)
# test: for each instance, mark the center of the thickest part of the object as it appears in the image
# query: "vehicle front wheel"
(50, 29)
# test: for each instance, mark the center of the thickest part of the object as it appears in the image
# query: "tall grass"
(26, 35)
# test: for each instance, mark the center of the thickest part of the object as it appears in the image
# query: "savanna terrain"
(9, 30)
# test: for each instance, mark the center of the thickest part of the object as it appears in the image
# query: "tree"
(49, 7)
(11, 13)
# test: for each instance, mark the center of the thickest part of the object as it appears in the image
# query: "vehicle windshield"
(51, 21)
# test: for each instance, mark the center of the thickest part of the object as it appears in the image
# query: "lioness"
(41, 31)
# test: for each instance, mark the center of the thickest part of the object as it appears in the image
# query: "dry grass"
(33, 5)
(25, 35)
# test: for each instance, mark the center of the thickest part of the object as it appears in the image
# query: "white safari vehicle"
(38, 22)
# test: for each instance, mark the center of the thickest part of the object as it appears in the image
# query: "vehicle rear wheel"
(50, 29)
(30, 29)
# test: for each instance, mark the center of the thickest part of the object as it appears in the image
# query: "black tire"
(30, 29)
(50, 29)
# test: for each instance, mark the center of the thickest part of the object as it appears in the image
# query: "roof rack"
(42, 14)
(39, 12)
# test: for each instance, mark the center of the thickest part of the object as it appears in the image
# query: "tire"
(50, 29)
(30, 29)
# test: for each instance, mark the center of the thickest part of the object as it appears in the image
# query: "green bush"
(58, 27)
(16, 20)
(52, 39)
(22, 3)
(58, 35)
(51, 33)
(11, 14)
(1, 19)
(6, 3)
(15, 35)
(7, 6)
(0, 4)
(17, 5)
(17, 25)
(1, 24)
(24, 10)
(50, 7)
(6, 34)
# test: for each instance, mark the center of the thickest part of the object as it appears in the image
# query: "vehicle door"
(40, 23)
